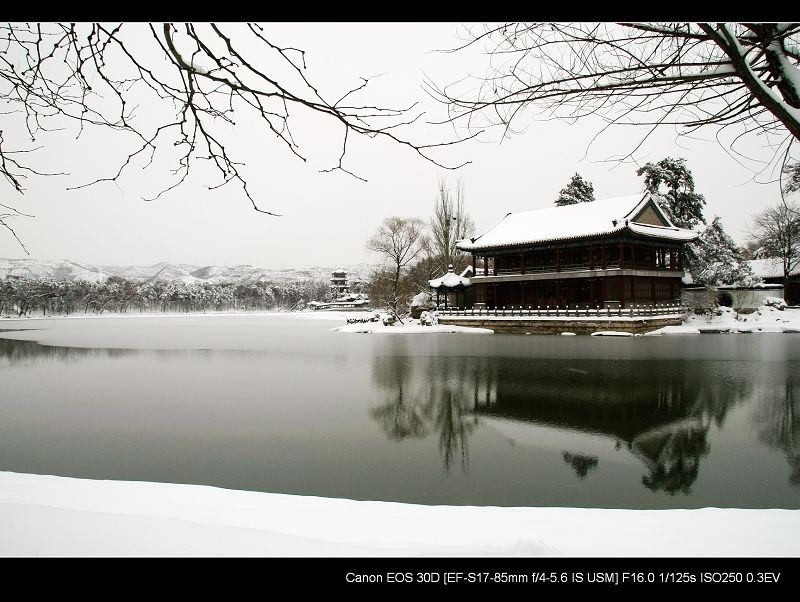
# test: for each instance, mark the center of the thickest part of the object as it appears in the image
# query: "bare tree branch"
(194, 82)
(691, 75)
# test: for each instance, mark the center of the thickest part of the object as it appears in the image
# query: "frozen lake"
(282, 404)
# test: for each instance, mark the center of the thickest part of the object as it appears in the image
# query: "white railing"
(529, 311)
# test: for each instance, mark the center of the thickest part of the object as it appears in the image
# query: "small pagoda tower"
(339, 285)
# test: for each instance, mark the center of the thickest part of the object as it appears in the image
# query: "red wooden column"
(653, 288)
(474, 266)
(591, 257)
(558, 259)
(603, 256)
(485, 265)
(621, 255)
(622, 290)
(494, 264)
(522, 261)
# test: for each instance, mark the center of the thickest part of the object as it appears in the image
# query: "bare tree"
(398, 240)
(449, 224)
(173, 86)
(776, 233)
(686, 74)
(427, 267)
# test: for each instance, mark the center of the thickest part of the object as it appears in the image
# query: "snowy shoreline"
(60, 516)
(314, 315)
(765, 319)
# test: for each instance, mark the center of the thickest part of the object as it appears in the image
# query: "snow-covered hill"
(238, 274)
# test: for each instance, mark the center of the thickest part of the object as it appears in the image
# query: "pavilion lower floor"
(577, 292)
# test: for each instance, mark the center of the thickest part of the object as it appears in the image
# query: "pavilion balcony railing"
(575, 267)
(529, 311)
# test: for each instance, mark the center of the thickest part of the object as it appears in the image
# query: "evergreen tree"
(715, 258)
(577, 191)
(682, 204)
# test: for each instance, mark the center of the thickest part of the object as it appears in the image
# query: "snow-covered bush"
(420, 303)
(428, 318)
(775, 302)
(700, 300)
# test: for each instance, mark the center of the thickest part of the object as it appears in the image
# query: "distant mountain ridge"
(238, 274)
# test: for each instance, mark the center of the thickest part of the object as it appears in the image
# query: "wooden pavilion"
(450, 284)
(609, 253)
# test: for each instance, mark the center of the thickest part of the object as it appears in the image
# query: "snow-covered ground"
(57, 516)
(725, 320)
(765, 319)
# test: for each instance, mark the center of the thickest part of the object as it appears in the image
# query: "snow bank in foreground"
(57, 516)
(408, 328)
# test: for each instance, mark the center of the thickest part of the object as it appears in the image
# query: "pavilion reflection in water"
(658, 411)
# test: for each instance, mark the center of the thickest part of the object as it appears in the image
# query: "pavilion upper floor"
(620, 252)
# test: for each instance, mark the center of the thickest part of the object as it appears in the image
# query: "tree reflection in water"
(421, 397)
(20, 353)
(403, 414)
(673, 454)
(778, 418)
(455, 424)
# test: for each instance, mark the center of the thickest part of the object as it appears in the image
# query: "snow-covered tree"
(577, 191)
(715, 259)
(673, 183)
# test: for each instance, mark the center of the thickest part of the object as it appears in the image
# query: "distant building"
(339, 286)
(609, 253)
(771, 271)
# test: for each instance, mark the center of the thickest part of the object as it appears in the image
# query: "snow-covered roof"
(770, 268)
(575, 221)
(449, 280)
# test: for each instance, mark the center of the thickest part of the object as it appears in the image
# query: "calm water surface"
(282, 404)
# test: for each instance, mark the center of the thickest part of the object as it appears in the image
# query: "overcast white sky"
(328, 217)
